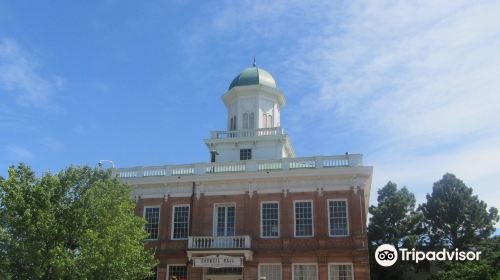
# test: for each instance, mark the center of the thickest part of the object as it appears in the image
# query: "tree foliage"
(455, 217)
(394, 221)
(78, 224)
(488, 268)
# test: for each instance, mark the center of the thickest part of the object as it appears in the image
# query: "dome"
(253, 76)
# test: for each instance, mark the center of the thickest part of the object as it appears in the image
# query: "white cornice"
(259, 185)
(252, 90)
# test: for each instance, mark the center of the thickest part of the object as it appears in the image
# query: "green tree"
(78, 224)
(487, 268)
(455, 217)
(393, 221)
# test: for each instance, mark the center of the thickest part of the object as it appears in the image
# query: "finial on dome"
(254, 63)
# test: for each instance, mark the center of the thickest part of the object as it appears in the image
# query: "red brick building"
(256, 211)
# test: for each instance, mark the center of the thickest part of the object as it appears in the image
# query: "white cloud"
(18, 153)
(20, 76)
(422, 82)
(417, 83)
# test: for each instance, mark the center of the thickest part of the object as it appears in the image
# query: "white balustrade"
(302, 163)
(127, 173)
(225, 168)
(219, 242)
(246, 133)
(269, 165)
(284, 164)
(151, 172)
(183, 170)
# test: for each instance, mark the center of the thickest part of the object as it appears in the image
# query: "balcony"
(247, 133)
(219, 242)
(349, 160)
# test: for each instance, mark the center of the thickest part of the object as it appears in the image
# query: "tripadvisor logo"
(386, 255)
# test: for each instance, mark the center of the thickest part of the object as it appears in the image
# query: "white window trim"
(159, 219)
(346, 212)
(330, 264)
(281, 268)
(295, 219)
(293, 269)
(262, 220)
(172, 221)
(214, 215)
(181, 264)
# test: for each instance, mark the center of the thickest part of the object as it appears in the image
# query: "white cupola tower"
(254, 130)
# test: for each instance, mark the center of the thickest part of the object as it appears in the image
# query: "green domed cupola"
(253, 76)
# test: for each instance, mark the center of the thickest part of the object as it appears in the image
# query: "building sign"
(218, 261)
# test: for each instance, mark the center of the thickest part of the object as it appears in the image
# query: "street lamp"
(102, 161)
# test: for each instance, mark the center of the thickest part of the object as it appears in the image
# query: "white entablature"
(254, 130)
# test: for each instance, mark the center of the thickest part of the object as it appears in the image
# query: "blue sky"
(412, 86)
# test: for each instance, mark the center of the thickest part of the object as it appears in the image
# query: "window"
(179, 271)
(270, 271)
(180, 222)
(245, 154)
(224, 220)
(337, 214)
(269, 219)
(152, 216)
(232, 123)
(251, 121)
(305, 272)
(245, 121)
(340, 272)
(303, 218)
(269, 121)
(248, 121)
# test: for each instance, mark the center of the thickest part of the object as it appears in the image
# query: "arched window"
(251, 121)
(245, 121)
(232, 123)
(269, 121)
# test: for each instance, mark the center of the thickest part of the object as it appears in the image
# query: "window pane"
(251, 121)
(304, 272)
(245, 121)
(303, 218)
(270, 219)
(221, 221)
(245, 154)
(341, 272)
(338, 217)
(270, 271)
(152, 216)
(180, 271)
(230, 221)
(225, 220)
(181, 222)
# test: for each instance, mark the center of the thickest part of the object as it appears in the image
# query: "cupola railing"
(225, 134)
